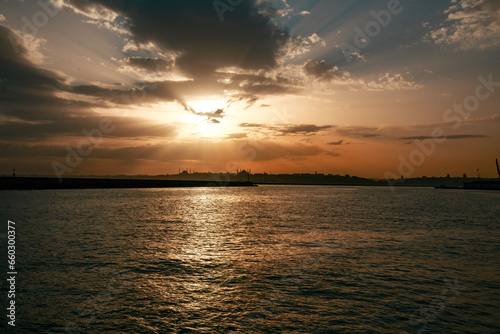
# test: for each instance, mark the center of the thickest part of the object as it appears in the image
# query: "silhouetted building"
(243, 176)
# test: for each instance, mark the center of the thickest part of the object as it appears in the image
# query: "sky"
(378, 89)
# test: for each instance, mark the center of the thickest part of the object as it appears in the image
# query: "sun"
(203, 127)
(207, 105)
(204, 120)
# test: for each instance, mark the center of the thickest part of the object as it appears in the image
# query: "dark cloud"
(28, 93)
(237, 135)
(125, 127)
(144, 92)
(358, 131)
(490, 6)
(290, 152)
(287, 129)
(305, 129)
(252, 125)
(336, 143)
(246, 38)
(17, 71)
(212, 151)
(320, 70)
(253, 86)
(31, 110)
(266, 89)
(444, 137)
(219, 113)
(149, 64)
(150, 92)
(96, 91)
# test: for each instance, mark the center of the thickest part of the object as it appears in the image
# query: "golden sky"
(368, 88)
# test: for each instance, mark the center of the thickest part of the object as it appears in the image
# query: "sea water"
(267, 259)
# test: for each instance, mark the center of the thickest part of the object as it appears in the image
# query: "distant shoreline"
(45, 183)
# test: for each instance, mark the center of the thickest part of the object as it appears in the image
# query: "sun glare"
(206, 105)
(204, 120)
(203, 127)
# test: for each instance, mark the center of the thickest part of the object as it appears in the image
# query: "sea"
(267, 259)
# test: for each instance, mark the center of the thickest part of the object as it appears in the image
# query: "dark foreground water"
(272, 259)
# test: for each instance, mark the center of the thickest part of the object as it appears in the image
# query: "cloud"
(467, 121)
(129, 127)
(470, 25)
(93, 10)
(118, 27)
(288, 129)
(25, 45)
(413, 131)
(321, 70)
(149, 64)
(328, 74)
(250, 85)
(392, 82)
(253, 125)
(237, 135)
(336, 143)
(444, 137)
(241, 57)
(358, 131)
(211, 115)
(314, 38)
(247, 38)
(209, 152)
(356, 56)
(188, 40)
(331, 74)
(273, 150)
(149, 92)
(24, 87)
(33, 106)
(305, 129)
